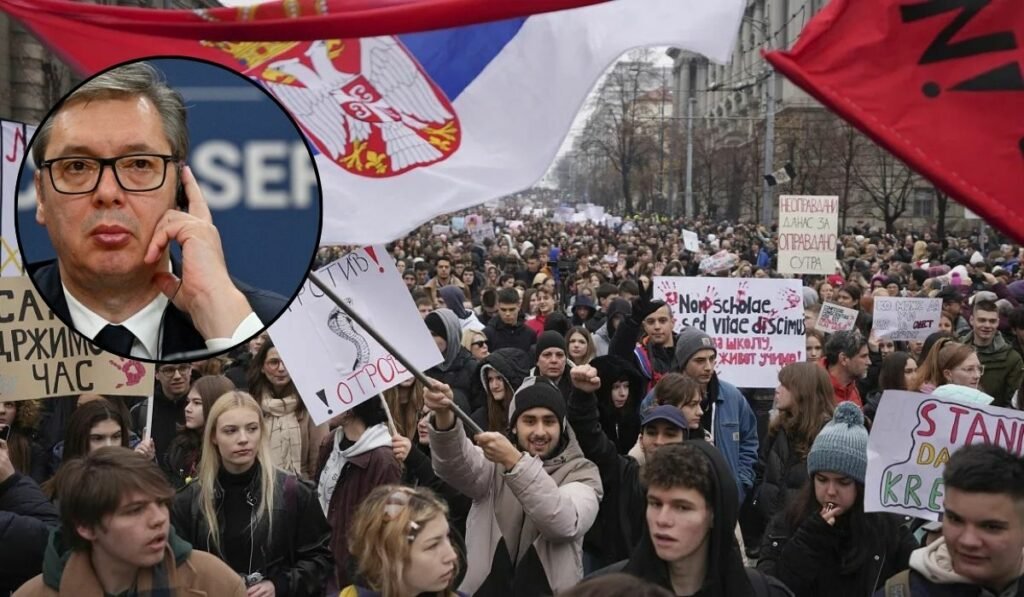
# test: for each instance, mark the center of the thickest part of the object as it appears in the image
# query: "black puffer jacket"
(512, 364)
(812, 559)
(297, 559)
(26, 517)
(458, 365)
(518, 336)
(621, 425)
(784, 475)
(620, 521)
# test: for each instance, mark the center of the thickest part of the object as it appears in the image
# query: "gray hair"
(129, 80)
(843, 343)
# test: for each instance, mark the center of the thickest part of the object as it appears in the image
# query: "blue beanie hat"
(842, 445)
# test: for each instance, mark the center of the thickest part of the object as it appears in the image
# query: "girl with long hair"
(187, 447)
(94, 424)
(400, 541)
(815, 345)
(824, 543)
(580, 345)
(27, 456)
(405, 402)
(293, 437)
(948, 361)
(804, 401)
(497, 378)
(897, 372)
(263, 522)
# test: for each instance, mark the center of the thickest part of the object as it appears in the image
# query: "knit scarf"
(375, 437)
(285, 432)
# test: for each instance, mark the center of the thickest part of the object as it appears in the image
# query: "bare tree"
(617, 126)
(887, 182)
(847, 152)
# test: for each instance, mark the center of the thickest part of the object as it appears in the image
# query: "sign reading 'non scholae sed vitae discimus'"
(808, 232)
(756, 325)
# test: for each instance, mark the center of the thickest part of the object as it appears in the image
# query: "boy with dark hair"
(690, 547)
(847, 360)
(1004, 368)
(508, 329)
(981, 551)
(116, 537)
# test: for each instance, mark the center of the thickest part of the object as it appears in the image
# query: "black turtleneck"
(235, 534)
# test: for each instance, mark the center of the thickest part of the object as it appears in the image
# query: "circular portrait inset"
(168, 209)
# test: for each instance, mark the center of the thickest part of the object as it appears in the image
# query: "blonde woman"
(264, 523)
(401, 543)
(475, 341)
(293, 438)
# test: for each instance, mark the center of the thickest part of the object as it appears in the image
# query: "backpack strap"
(759, 583)
(898, 585)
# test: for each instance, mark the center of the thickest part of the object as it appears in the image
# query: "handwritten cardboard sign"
(40, 357)
(808, 233)
(905, 318)
(835, 318)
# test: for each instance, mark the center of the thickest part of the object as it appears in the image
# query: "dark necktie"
(115, 338)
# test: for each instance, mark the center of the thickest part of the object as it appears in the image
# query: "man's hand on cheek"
(205, 290)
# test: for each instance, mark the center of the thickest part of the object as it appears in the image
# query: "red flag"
(92, 37)
(938, 83)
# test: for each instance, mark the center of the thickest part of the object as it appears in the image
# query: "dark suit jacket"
(179, 335)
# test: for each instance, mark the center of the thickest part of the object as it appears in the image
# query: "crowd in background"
(610, 446)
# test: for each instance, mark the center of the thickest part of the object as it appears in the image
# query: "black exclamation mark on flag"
(322, 395)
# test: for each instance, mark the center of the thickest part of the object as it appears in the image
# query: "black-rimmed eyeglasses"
(138, 172)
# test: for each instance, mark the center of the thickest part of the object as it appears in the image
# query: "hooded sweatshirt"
(525, 531)
(603, 336)
(725, 575)
(931, 573)
(453, 298)
(621, 425)
(512, 364)
(458, 365)
(67, 572)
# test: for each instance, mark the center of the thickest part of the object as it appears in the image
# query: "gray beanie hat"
(842, 445)
(691, 340)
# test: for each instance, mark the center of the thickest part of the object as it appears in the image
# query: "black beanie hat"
(436, 325)
(550, 339)
(537, 392)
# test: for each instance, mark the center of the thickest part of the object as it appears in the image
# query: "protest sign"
(40, 357)
(718, 262)
(835, 318)
(595, 213)
(757, 324)
(458, 223)
(335, 363)
(690, 241)
(13, 138)
(902, 319)
(808, 233)
(912, 437)
(440, 229)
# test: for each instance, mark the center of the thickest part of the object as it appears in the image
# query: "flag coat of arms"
(410, 126)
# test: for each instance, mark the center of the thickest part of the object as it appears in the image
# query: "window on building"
(924, 203)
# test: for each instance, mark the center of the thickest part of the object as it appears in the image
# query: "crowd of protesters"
(613, 459)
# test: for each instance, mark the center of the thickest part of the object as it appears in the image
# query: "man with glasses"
(1002, 368)
(111, 170)
(169, 397)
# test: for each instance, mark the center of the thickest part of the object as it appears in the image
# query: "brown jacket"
(199, 575)
(360, 476)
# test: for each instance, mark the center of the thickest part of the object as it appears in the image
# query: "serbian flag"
(412, 125)
(938, 83)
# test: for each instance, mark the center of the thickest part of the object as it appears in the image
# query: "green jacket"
(1004, 369)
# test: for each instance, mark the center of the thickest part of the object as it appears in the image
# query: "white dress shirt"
(145, 326)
